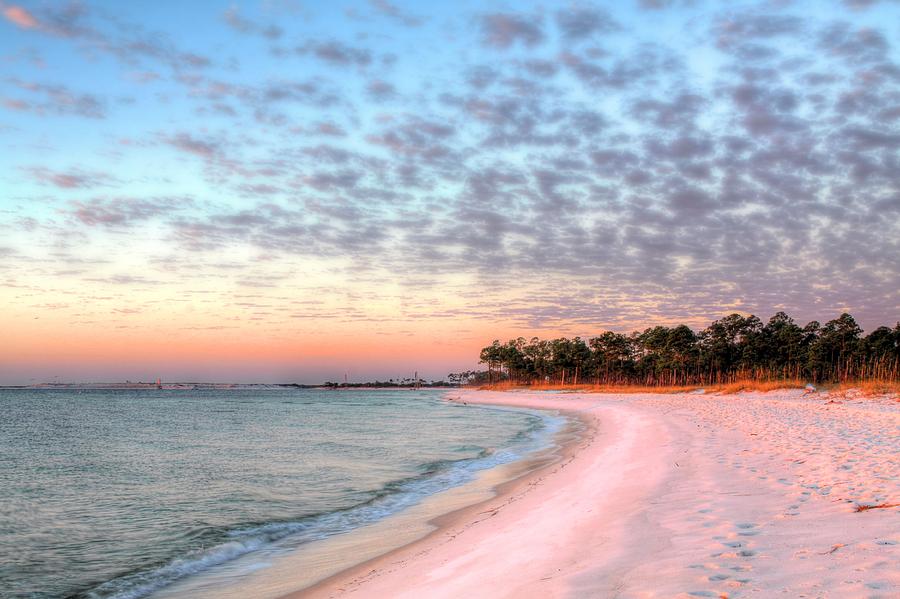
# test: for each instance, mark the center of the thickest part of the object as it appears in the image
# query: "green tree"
(611, 357)
(783, 340)
(492, 355)
(832, 355)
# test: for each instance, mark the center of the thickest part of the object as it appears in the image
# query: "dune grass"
(865, 388)
(735, 387)
(875, 387)
(762, 386)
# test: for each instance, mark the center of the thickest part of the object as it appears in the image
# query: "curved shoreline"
(512, 507)
(682, 496)
(447, 526)
(280, 567)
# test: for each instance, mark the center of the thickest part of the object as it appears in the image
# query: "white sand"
(749, 495)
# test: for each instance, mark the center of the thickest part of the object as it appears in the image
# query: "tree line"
(730, 349)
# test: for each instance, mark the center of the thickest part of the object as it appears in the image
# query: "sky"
(292, 191)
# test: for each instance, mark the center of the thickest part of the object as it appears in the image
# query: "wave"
(434, 477)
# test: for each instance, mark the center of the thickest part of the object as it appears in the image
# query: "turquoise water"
(118, 493)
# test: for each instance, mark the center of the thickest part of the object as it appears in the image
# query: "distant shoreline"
(223, 386)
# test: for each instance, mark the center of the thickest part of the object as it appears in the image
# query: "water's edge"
(508, 478)
(274, 559)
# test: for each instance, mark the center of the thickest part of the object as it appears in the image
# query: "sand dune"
(750, 495)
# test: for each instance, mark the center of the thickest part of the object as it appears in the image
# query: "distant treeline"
(731, 349)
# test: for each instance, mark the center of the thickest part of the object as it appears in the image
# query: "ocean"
(121, 493)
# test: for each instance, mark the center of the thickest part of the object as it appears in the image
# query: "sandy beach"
(749, 495)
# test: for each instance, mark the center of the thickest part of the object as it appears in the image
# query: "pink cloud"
(20, 17)
(15, 104)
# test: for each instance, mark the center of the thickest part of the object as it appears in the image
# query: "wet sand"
(750, 495)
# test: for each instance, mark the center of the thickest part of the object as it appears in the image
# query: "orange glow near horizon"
(81, 341)
(302, 331)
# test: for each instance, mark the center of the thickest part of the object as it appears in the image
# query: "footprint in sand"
(732, 544)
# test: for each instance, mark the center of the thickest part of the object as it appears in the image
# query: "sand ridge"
(748, 495)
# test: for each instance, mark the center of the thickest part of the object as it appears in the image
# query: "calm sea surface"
(119, 493)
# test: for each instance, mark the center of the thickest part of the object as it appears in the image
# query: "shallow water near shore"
(165, 493)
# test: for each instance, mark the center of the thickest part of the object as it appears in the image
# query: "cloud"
(666, 4)
(200, 147)
(655, 4)
(503, 30)
(54, 99)
(233, 19)
(380, 90)
(127, 42)
(860, 44)
(578, 23)
(20, 16)
(868, 139)
(122, 212)
(391, 11)
(745, 27)
(417, 139)
(68, 20)
(264, 101)
(73, 179)
(124, 279)
(330, 129)
(859, 4)
(682, 110)
(337, 53)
